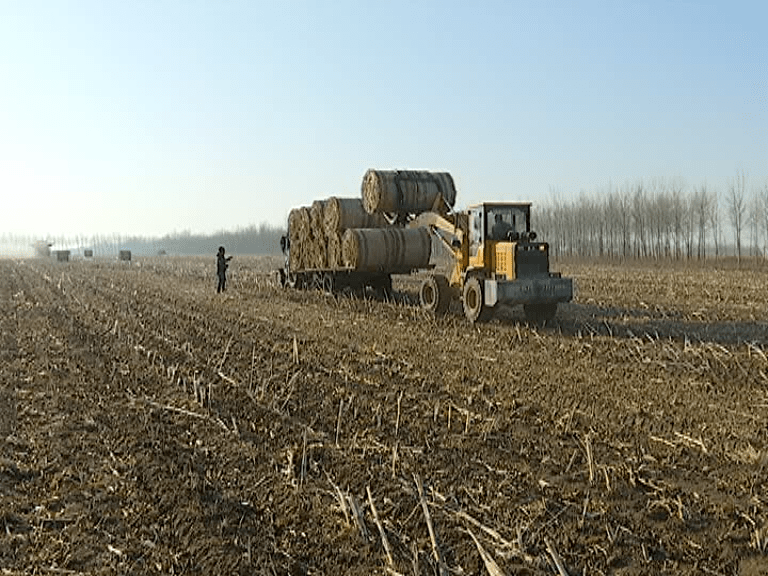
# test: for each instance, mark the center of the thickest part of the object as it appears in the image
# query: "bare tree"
(660, 220)
(617, 217)
(639, 220)
(754, 219)
(702, 207)
(737, 207)
(680, 221)
(763, 195)
(716, 221)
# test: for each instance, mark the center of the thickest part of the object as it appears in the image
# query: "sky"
(151, 117)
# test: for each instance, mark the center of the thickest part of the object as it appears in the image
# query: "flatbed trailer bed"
(333, 280)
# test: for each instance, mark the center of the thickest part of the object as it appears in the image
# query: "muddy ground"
(151, 426)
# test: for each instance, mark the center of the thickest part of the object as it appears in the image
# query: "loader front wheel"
(434, 295)
(474, 302)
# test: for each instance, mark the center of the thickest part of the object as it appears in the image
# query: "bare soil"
(151, 426)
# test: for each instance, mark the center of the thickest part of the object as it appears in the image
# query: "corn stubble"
(161, 428)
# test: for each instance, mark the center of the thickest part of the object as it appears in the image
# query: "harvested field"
(151, 426)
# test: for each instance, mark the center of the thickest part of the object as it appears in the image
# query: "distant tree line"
(658, 220)
(262, 239)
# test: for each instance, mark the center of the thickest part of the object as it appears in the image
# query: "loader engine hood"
(514, 260)
(531, 259)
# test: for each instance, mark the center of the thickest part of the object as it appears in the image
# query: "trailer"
(368, 258)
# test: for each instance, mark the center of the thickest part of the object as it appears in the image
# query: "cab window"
(476, 235)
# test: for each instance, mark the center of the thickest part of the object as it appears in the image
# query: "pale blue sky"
(148, 117)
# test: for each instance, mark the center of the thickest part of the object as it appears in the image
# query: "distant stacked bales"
(42, 249)
(358, 234)
(62, 255)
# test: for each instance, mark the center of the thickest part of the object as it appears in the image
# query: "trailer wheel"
(434, 295)
(474, 302)
(329, 283)
(383, 287)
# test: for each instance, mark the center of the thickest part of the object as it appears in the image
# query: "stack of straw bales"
(316, 231)
(354, 233)
(342, 214)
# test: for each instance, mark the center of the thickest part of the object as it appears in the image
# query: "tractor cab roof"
(507, 215)
(486, 206)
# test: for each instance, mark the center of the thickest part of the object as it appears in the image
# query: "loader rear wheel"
(474, 301)
(434, 294)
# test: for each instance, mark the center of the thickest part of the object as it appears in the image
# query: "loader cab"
(501, 244)
(497, 222)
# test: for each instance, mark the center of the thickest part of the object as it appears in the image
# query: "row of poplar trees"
(658, 220)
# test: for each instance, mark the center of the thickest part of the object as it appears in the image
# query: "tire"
(329, 283)
(384, 287)
(474, 301)
(434, 295)
(303, 282)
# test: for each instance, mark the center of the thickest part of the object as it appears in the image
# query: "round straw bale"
(334, 250)
(294, 237)
(407, 191)
(344, 213)
(317, 218)
(386, 249)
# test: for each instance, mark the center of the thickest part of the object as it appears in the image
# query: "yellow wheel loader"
(496, 261)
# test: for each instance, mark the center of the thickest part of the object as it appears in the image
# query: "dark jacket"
(221, 264)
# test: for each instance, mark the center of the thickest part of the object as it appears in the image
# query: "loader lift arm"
(452, 231)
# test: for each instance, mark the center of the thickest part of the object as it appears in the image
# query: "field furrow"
(149, 425)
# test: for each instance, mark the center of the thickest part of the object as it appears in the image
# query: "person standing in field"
(222, 262)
